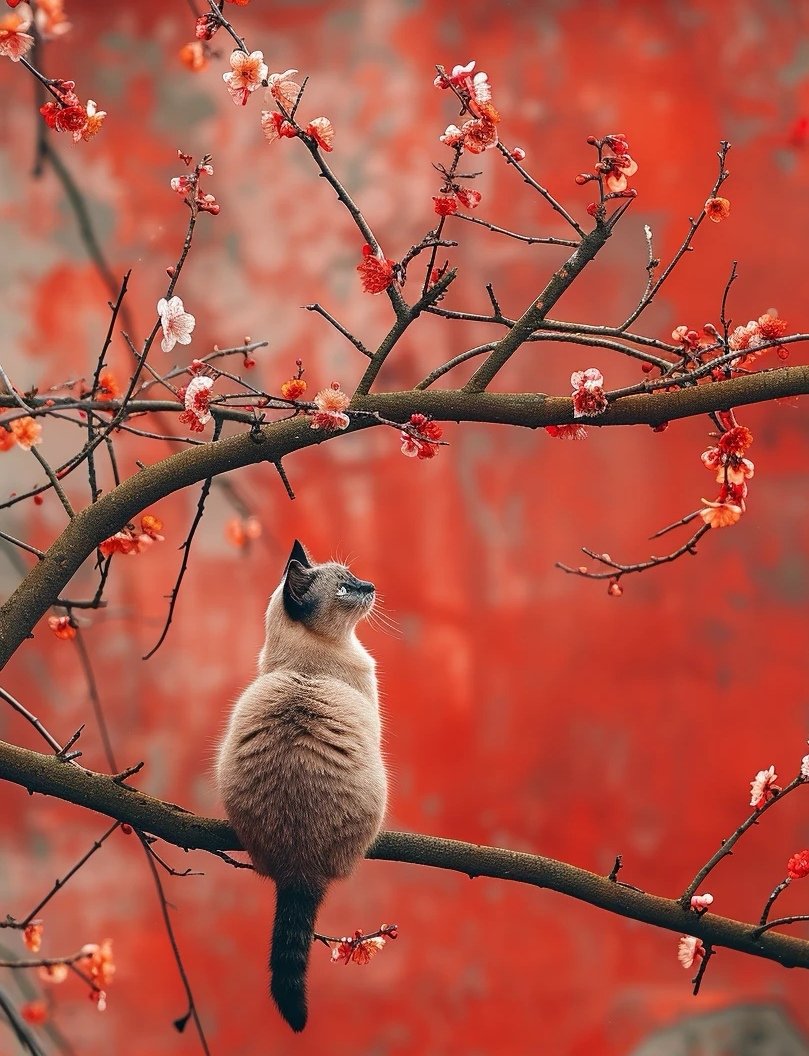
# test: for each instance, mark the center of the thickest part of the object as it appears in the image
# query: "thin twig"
(186, 549)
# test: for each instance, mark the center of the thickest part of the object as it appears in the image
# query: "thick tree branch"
(48, 578)
(50, 776)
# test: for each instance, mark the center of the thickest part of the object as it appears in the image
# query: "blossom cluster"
(23, 432)
(612, 170)
(189, 185)
(94, 963)
(588, 393)
(131, 540)
(479, 133)
(757, 332)
(732, 470)
(360, 949)
(66, 113)
(421, 437)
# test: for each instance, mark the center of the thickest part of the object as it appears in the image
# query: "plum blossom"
(283, 89)
(25, 432)
(293, 389)
(242, 531)
(131, 541)
(461, 75)
(53, 973)
(690, 951)
(717, 209)
(62, 627)
(567, 432)
(32, 935)
(798, 865)
(750, 338)
(14, 41)
(701, 902)
(720, 514)
(35, 1012)
(94, 119)
(246, 74)
(193, 56)
(475, 136)
(360, 951)
(51, 20)
(177, 323)
(421, 439)
(376, 271)
(617, 168)
(588, 392)
(763, 787)
(331, 404)
(275, 126)
(805, 768)
(197, 398)
(322, 132)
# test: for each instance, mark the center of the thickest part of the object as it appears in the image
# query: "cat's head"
(327, 599)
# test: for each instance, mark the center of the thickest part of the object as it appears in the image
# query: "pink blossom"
(197, 400)
(588, 392)
(699, 902)
(177, 323)
(14, 41)
(720, 514)
(690, 951)
(283, 89)
(763, 787)
(322, 131)
(567, 432)
(331, 403)
(247, 73)
(805, 768)
(518, 154)
(460, 75)
(275, 126)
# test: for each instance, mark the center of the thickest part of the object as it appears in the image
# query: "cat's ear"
(299, 554)
(299, 602)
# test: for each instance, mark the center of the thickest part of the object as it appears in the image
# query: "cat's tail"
(296, 907)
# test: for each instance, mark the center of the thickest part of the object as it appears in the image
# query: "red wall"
(523, 707)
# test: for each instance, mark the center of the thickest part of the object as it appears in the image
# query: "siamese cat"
(300, 769)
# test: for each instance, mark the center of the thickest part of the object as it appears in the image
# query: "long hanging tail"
(295, 911)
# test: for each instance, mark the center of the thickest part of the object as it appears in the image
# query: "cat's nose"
(362, 586)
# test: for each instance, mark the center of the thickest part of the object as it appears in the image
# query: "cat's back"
(304, 747)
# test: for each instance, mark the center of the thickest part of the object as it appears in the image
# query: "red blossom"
(469, 199)
(445, 204)
(736, 440)
(322, 132)
(376, 272)
(205, 27)
(798, 865)
(62, 627)
(421, 439)
(717, 209)
(588, 393)
(34, 1012)
(293, 389)
(275, 126)
(567, 432)
(71, 119)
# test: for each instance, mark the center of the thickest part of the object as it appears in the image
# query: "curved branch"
(99, 792)
(48, 578)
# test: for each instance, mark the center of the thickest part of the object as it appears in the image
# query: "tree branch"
(48, 578)
(169, 822)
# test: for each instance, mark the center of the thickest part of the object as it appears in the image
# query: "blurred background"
(523, 707)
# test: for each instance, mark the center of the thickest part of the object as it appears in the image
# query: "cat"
(300, 770)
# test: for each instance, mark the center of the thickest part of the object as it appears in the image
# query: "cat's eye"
(341, 592)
